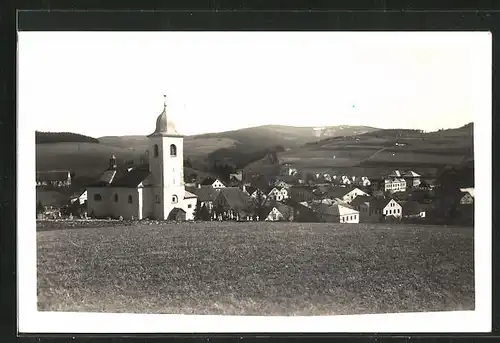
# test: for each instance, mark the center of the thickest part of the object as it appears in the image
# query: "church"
(154, 191)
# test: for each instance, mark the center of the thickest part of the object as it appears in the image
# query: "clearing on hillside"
(256, 268)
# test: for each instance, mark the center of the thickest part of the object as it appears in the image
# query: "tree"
(197, 210)
(204, 213)
(39, 207)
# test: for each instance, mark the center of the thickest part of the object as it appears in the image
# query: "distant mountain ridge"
(62, 137)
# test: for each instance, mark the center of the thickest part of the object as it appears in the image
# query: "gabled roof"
(411, 173)
(236, 198)
(378, 203)
(208, 181)
(411, 207)
(189, 195)
(285, 210)
(131, 179)
(204, 193)
(469, 190)
(335, 209)
(360, 199)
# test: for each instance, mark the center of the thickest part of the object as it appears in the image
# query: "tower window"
(173, 150)
(97, 197)
(156, 150)
(157, 199)
(129, 199)
(174, 199)
(116, 197)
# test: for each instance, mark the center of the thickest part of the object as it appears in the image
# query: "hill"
(374, 152)
(62, 137)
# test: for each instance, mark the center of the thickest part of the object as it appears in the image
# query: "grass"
(255, 268)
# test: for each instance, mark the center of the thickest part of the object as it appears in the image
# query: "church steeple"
(164, 127)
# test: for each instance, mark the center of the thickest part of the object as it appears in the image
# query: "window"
(174, 199)
(189, 206)
(116, 197)
(173, 150)
(158, 199)
(130, 199)
(97, 197)
(156, 150)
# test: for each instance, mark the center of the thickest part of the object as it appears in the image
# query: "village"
(289, 196)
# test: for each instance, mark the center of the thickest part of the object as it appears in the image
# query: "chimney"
(199, 185)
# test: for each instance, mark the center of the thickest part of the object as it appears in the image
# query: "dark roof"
(122, 177)
(411, 207)
(360, 199)
(236, 198)
(379, 203)
(250, 189)
(53, 175)
(208, 181)
(204, 193)
(51, 197)
(285, 210)
(131, 179)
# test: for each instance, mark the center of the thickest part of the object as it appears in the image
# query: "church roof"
(236, 198)
(122, 177)
(189, 195)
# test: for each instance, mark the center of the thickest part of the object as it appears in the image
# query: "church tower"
(166, 164)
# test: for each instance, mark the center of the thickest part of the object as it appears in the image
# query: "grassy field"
(255, 269)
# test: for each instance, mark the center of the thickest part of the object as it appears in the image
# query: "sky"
(112, 83)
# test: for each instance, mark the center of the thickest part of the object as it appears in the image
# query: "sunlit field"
(255, 268)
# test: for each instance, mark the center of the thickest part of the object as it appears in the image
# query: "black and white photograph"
(274, 181)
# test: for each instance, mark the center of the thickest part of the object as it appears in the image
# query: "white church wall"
(189, 206)
(98, 208)
(123, 207)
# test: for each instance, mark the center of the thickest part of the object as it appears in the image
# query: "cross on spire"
(164, 101)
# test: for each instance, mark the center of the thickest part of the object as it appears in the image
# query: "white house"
(278, 194)
(364, 181)
(394, 185)
(155, 191)
(337, 212)
(80, 197)
(282, 184)
(412, 179)
(376, 209)
(467, 196)
(280, 212)
(287, 169)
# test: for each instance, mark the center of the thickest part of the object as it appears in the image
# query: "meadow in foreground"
(256, 268)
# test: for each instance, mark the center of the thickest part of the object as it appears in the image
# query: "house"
(214, 183)
(378, 209)
(79, 197)
(412, 179)
(361, 200)
(280, 212)
(150, 190)
(238, 176)
(300, 194)
(55, 178)
(393, 185)
(282, 184)
(467, 196)
(278, 194)
(233, 204)
(256, 193)
(364, 181)
(345, 194)
(337, 212)
(287, 169)
(206, 195)
(412, 209)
